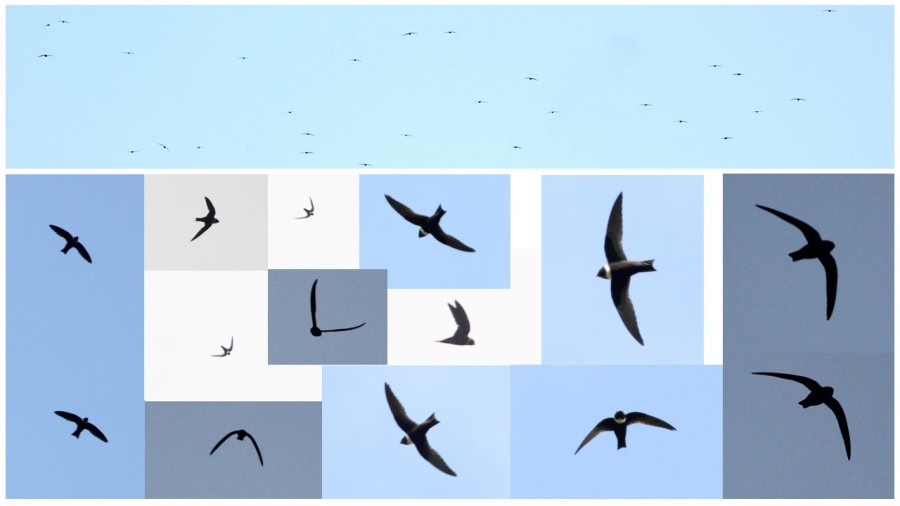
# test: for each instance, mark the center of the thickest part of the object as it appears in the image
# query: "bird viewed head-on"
(619, 417)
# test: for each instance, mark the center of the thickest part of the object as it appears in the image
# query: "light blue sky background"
(74, 336)
(362, 454)
(477, 213)
(186, 85)
(555, 407)
(180, 436)
(774, 321)
(662, 219)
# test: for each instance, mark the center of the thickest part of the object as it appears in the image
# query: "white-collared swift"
(428, 225)
(819, 395)
(619, 270)
(207, 220)
(461, 336)
(241, 434)
(71, 242)
(226, 351)
(815, 248)
(309, 212)
(619, 423)
(82, 423)
(415, 432)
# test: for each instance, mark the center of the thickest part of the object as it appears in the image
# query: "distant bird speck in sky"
(242, 57)
(461, 336)
(680, 121)
(63, 21)
(127, 52)
(133, 151)
(552, 112)
(516, 147)
(619, 269)
(726, 138)
(226, 351)
(415, 432)
(737, 74)
(481, 101)
(307, 153)
(409, 33)
(449, 31)
(365, 164)
(406, 135)
(315, 330)
(798, 99)
(241, 434)
(715, 65)
(309, 212)
(45, 55)
(198, 147)
(757, 111)
(530, 78)
(164, 146)
(428, 225)
(646, 105)
(71, 241)
(829, 10)
(290, 112)
(82, 423)
(355, 59)
(207, 220)
(308, 134)
(619, 423)
(815, 247)
(819, 395)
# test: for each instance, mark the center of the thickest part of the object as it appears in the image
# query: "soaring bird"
(207, 220)
(409, 33)
(241, 434)
(815, 248)
(461, 336)
(428, 225)
(619, 423)
(71, 241)
(415, 432)
(309, 212)
(530, 78)
(798, 99)
(45, 55)
(164, 146)
(226, 351)
(82, 423)
(619, 270)
(315, 330)
(819, 395)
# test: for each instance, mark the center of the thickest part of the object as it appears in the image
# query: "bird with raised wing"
(415, 432)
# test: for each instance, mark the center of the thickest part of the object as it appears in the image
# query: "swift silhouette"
(71, 242)
(619, 423)
(619, 270)
(428, 225)
(241, 434)
(819, 395)
(815, 248)
(226, 351)
(415, 432)
(82, 424)
(315, 330)
(309, 212)
(207, 220)
(461, 336)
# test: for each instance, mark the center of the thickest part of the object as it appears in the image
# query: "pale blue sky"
(555, 407)
(774, 321)
(361, 452)
(186, 85)
(74, 336)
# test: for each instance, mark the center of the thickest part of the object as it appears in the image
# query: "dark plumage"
(619, 423)
(309, 212)
(82, 423)
(819, 395)
(226, 351)
(461, 336)
(207, 220)
(428, 225)
(315, 330)
(241, 434)
(71, 242)
(815, 248)
(619, 270)
(415, 432)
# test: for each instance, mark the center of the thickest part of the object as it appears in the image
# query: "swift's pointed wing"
(232, 433)
(462, 320)
(809, 233)
(407, 213)
(449, 240)
(403, 421)
(606, 424)
(83, 251)
(432, 456)
(808, 383)
(831, 281)
(612, 245)
(638, 417)
(835, 406)
(258, 453)
(312, 301)
(209, 205)
(62, 233)
(95, 431)
(624, 306)
(69, 416)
